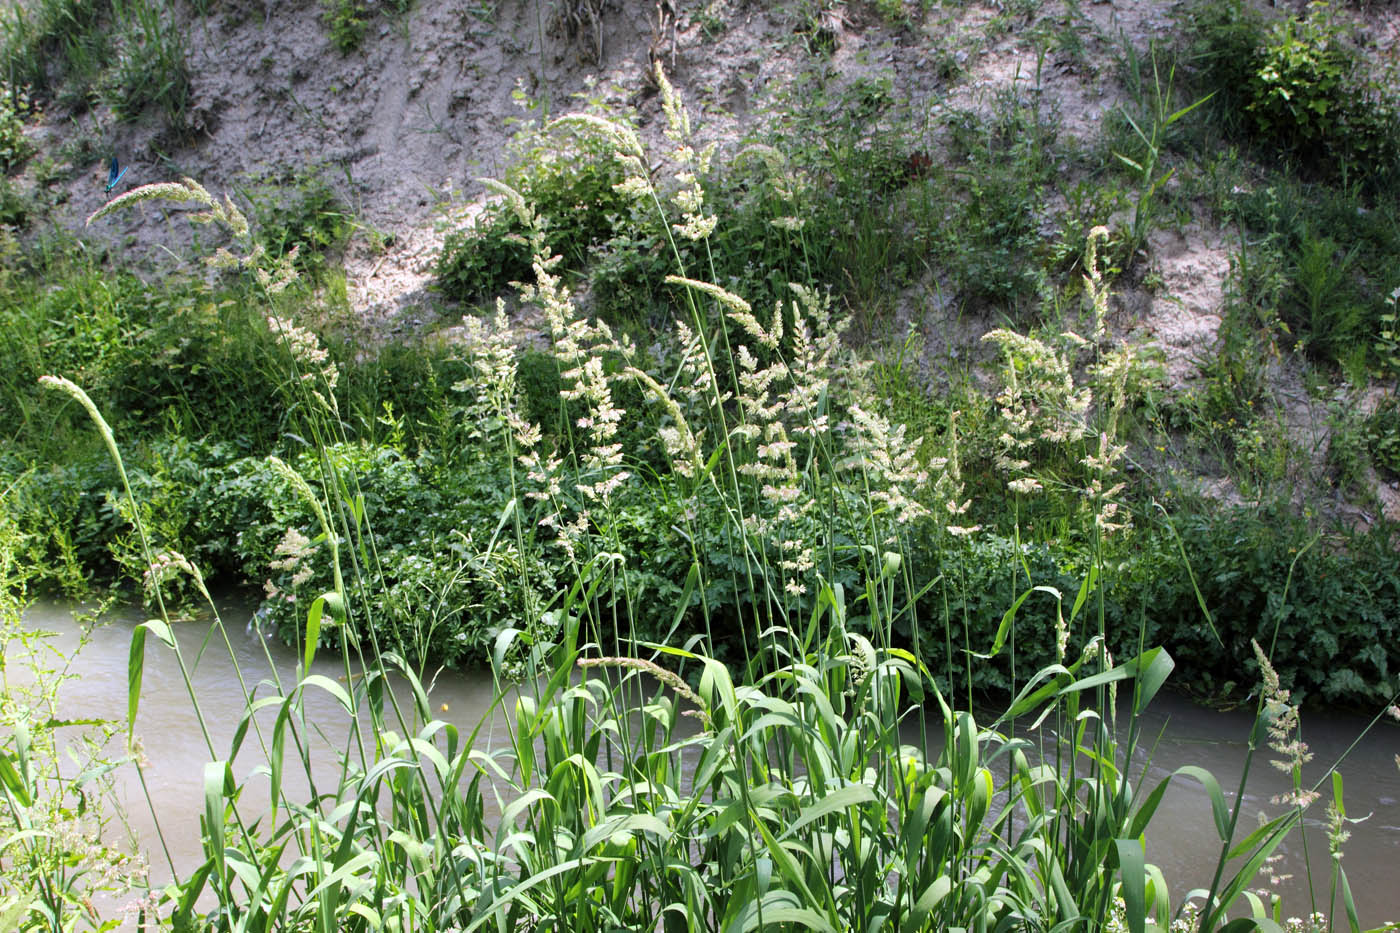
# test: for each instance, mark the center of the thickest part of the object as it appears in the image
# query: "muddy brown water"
(1176, 732)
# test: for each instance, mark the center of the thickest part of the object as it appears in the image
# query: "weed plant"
(301, 215)
(1318, 268)
(14, 147)
(831, 775)
(57, 803)
(1004, 165)
(571, 179)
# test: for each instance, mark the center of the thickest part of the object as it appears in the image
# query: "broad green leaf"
(331, 687)
(852, 795)
(1009, 617)
(1131, 868)
(13, 782)
(313, 632)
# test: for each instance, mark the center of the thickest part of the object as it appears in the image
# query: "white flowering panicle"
(1284, 728)
(1039, 400)
(688, 196)
(1095, 288)
(948, 489)
(167, 564)
(291, 555)
(891, 465)
(314, 368)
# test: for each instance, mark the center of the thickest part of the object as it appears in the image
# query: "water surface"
(1181, 839)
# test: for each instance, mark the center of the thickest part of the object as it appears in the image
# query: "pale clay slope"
(407, 123)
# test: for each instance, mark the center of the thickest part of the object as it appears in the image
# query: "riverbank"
(830, 360)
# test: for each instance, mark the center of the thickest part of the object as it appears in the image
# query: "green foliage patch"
(1296, 84)
(302, 212)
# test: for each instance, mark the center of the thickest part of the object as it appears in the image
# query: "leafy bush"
(1321, 264)
(301, 212)
(1328, 609)
(993, 240)
(14, 147)
(178, 356)
(436, 585)
(481, 260)
(1298, 86)
(1382, 432)
(346, 21)
(1299, 79)
(570, 188)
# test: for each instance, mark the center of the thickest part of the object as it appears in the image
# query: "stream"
(1180, 839)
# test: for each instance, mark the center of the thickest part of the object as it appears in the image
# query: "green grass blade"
(135, 670)
(852, 795)
(1131, 868)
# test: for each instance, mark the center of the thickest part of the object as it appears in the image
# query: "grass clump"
(149, 68)
(128, 53)
(55, 43)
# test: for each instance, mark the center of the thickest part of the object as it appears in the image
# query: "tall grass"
(819, 777)
(128, 52)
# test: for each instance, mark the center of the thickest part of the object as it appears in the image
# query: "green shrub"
(1298, 81)
(482, 259)
(1297, 85)
(992, 241)
(1382, 432)
(1322, 306)
(16, 208)
(1321, 264)
(346, 21)
(14, 147)
(437, 585)
(570, 188)
(1332, 638)
(177, 356)
(301, 212)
